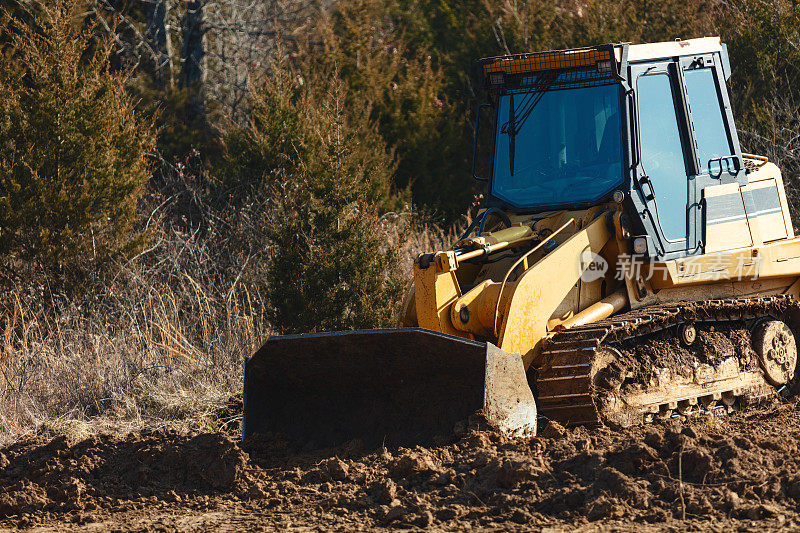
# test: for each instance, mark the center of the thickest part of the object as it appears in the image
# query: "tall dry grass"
(148, 354)
(162, 344)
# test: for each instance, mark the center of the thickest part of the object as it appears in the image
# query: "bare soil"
(739, 471)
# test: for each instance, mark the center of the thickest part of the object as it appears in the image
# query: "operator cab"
(653, 121)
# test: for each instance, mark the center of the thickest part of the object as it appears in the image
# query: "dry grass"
(157, 358)
(162, 345)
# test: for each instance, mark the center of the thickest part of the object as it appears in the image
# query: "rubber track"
(564, 380)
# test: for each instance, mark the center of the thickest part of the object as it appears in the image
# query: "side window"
(709, 125)
(662, 153)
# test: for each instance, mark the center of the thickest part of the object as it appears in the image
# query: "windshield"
(557, 147)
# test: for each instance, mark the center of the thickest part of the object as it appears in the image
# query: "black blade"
(393, 387)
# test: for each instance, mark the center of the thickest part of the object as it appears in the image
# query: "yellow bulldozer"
(630, 263)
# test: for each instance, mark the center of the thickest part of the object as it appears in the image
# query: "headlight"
(603, 66)
(497, 79)
(639, 245)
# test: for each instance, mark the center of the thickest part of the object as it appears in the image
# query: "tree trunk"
(158, 38)
(193, 56)
(194, 53)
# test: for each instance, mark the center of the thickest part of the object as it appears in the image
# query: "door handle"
(645, 180)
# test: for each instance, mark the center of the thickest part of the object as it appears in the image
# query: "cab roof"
(689, 47)
(606, 56)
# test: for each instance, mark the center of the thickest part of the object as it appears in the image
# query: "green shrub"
(328, 171)
(73, 153)
(404, 86)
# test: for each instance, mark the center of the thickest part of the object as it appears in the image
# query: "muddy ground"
(738, 471)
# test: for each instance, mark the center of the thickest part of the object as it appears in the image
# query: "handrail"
(517, 262)
(764, 160)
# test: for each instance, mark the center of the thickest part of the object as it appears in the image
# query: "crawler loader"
(629, 263)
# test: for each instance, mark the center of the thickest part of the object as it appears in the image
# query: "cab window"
(710, 132)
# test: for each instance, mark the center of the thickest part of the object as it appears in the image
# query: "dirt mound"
(57, 476)
(744, 466)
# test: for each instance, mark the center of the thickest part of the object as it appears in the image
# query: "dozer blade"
(392, 387)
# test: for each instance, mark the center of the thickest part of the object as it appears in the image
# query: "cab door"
(718, 160)
(665, 171)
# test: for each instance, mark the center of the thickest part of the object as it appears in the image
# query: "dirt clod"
(335, 468)
(410, 463)
(553, 430)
